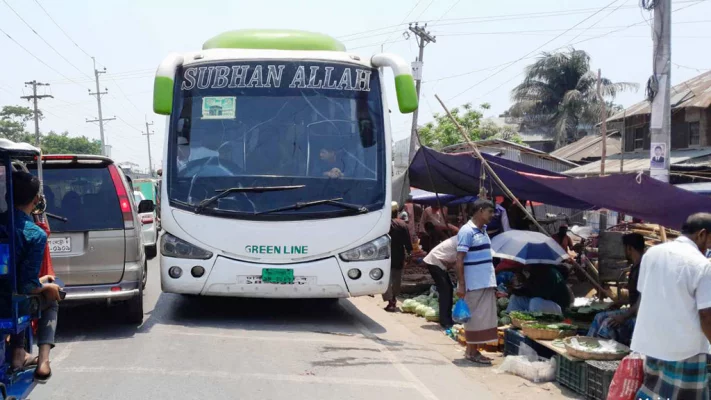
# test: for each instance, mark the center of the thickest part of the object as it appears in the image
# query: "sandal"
(42, 379)
(479, 359)
(28, 363)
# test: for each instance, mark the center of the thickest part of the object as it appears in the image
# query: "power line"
(43, 39)
(60, 28)
(37, 58)
(495, 18)
(404, 19)
(532, 51)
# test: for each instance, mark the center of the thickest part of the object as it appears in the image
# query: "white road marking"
(67, 350)
(404, 371)
(237, 375)
(272, 338)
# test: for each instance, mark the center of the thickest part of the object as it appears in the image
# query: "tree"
(12, 123)
(54, 143)
(13, 120)
(442, 132)
(560, 91)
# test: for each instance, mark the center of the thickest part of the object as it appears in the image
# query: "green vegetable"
(432, 315)
(523, 316)
(503, 314)
(502, 303)
(557, 327)
(504, 321)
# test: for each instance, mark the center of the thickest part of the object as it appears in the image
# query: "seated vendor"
(29, 250)
(619, 324)
(540, 288)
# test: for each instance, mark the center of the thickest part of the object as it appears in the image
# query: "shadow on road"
(328, 317)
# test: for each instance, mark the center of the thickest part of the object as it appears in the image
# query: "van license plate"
(60, 245)
(277, 275)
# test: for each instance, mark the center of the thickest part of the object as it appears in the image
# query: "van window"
(84, 195)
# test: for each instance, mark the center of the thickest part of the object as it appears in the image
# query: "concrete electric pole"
(659, 92)
(34, 99)
(148, 138)
(423, 37)
(101, 118)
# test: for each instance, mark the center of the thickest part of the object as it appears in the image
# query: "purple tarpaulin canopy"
(640, 196)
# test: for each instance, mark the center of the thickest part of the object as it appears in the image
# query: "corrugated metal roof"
(589, 146)
(516, 152)
(701, 187)
(638, 162)
(696, 92)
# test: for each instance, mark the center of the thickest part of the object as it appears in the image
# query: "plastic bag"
(540, 370)
(627, 379)
(461, 313)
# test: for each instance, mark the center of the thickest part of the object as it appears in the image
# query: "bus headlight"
(171, 246)
(378, 249)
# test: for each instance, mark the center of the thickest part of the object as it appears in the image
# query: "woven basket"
(587, 355)
(545, 334)
(518, 323)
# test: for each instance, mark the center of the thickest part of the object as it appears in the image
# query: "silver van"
(98, 251)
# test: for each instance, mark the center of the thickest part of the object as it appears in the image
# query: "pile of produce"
(587, 312)
(423, 306)
(526, 316)
(501, 305)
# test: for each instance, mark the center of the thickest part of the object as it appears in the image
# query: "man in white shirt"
(438, 261)
(674, 318)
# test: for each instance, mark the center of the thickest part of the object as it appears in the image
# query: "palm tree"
(560, 91)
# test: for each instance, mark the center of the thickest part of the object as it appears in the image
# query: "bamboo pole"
(513, 198)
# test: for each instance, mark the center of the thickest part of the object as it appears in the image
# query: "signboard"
(291, 75)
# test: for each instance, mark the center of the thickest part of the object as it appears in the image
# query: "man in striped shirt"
(476, 280)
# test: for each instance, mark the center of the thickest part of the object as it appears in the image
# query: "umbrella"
(527, 248)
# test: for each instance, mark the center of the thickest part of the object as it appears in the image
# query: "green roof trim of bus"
(406, 93)
(273, 40)
(163, 95)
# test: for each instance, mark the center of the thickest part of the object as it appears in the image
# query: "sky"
(481, 50)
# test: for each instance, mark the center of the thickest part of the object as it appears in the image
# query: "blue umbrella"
(527, 247)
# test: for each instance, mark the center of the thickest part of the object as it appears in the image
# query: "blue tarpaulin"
(632, 194)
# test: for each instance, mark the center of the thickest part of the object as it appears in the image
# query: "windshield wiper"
(334, 202)
(254, 189)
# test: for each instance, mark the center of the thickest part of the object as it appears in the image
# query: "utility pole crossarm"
(148, 139)
(423, 38)
(101, 118)
(34, 99)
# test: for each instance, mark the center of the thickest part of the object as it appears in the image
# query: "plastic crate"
(513, 339)
(600, 375)
(572, 374)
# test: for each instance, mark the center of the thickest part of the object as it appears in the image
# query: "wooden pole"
(622, 144)
(513, 198)
(603, 117)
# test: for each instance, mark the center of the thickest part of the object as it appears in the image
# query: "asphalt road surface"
(218, 348)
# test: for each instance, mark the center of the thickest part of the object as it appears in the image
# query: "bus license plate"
(277, 275)
(60, 245)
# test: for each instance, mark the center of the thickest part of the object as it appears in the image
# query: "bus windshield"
(311, 124)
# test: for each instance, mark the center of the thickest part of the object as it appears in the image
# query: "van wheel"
(134, 309)
(151, 252)
(144, 281)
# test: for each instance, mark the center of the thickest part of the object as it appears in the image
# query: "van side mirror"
(146, 206)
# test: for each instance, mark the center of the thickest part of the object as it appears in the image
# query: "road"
(214, 348)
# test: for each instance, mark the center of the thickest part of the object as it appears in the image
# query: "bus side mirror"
(164, 83)
(404, 83)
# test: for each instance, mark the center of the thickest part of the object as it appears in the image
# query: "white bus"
(277, 172)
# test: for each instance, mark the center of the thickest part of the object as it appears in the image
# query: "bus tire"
(133, 311)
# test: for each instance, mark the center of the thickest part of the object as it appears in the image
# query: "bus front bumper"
(326, 278)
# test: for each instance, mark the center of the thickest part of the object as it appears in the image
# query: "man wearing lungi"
(674, 318)
(476, 280)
